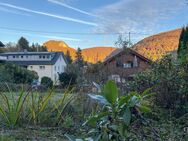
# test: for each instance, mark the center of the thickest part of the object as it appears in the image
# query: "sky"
(88, 23)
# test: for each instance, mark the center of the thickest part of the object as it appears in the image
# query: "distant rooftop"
(55, 56)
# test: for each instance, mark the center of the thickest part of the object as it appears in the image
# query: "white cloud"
(13, 11)
(62, 3)
(48, 14)
(136, 15)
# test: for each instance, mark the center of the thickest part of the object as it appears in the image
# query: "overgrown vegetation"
(11, 73)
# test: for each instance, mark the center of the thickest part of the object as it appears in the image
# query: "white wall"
(58, 67)
(46, 71)
(50, 70)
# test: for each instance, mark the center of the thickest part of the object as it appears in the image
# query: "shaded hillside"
(154, 47)
(91, 55)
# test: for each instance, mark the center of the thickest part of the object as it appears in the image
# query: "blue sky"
(88, 23)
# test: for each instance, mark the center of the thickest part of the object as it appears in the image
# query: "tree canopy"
(183, 44)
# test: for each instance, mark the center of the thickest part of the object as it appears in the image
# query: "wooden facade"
(123, 63)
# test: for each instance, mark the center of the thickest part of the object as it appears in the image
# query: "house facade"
(48, 64)
(122, 64)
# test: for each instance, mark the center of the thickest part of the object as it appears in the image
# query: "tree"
(67, 79)
(122, 42)
(46, 81)
(16, 74)
(68, 57)
(79, 59)
(23, 44)
(38, 48)
(183, 44)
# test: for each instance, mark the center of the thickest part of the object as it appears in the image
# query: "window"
(13, 56)
(127, 65)
(40, 56)
(22, 56)
(55, 68)
(48, 56)
(26, 56)
(44, 56)
(31, 67)
(42, 67)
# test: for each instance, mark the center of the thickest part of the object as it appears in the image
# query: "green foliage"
(79, 59)
(117, 114)
(37, 48)
(68, 121)
(34, 108)
(68, 57)
(110, 92)
(22, 44)
(16, 74)
(67, 79)
(11, 108)
(183, 44)
(168, 78)
(46, 81)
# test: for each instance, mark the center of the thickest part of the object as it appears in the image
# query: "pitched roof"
(55, 56)
(118, 52)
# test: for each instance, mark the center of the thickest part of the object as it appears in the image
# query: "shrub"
(118, 113)
(46, 81)
(16, 74)
(67, 79)
(168, 77)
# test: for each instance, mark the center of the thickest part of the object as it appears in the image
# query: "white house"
(48, 64)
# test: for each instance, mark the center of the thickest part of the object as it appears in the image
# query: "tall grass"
(11, 108)
(31, 107)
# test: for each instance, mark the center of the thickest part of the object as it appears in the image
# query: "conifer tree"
(23, 44)
(68, 57)
(183, 44)
(79, 59)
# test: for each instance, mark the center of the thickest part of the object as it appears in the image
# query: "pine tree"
(79, 59)
(183, 44)
(23, 44)
(68, 57)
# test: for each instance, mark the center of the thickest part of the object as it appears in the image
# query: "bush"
(118, 114)
(168, 77)
(16, 74)
(46, 81)
(67, 79)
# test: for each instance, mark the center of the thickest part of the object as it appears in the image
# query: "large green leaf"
(99, 98)
(127, 116)
(110, 92)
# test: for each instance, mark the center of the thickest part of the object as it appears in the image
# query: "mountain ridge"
(92, 55)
